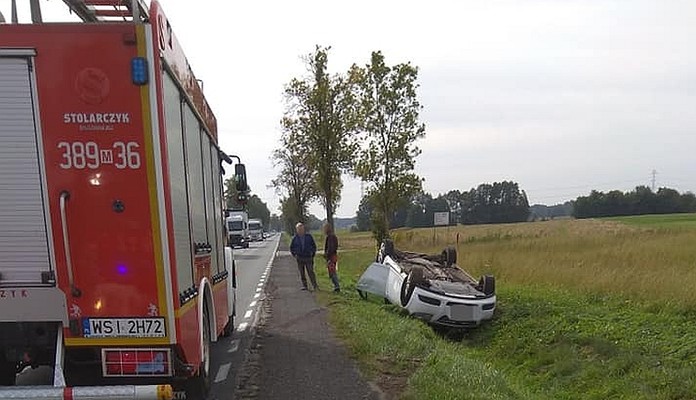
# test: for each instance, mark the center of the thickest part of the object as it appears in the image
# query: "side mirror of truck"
(240, 178)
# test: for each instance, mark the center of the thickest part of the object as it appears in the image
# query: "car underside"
(431, 287)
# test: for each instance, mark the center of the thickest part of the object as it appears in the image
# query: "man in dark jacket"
(303, 249)
(331, 255)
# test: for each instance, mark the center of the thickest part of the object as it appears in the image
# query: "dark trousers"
(307, 264)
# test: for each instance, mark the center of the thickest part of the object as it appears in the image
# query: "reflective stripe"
(151, 392)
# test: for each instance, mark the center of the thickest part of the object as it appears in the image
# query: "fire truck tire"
(8, 371)
(199, 385)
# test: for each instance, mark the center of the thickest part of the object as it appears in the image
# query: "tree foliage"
(275, 223)
(494, 203)
(295, 180)
(499, 202)
(258, 209)
(231, 195)
(641, 200)
(544, 212)
(391, 126)
(255, 207)
(321, 117)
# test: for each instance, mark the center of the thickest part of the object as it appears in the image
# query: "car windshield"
(234, 225)
(254, 226)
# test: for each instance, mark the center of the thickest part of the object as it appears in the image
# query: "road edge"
(246, 382)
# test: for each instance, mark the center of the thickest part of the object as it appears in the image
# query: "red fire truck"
(113, 265)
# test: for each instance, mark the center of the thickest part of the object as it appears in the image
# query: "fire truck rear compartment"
(27, 344)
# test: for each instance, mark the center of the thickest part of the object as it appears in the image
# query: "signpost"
(441, 218)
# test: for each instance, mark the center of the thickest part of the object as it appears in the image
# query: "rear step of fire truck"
(91, 11)
(60, 391)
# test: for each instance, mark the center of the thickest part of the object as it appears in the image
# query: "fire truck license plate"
(123, 327)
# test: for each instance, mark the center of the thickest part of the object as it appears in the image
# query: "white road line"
(248, 314)
(234, 346)
(223, 372)
(252, 304)
(257, 295)
(242, 327)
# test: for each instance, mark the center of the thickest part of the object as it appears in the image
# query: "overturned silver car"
(430, 287)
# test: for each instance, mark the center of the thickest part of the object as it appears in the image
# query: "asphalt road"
(228, 354)
(253, 270)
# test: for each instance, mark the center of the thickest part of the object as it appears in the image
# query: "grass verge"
(548, 340)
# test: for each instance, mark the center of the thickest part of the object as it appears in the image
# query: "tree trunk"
(329, 212)
(330, 219)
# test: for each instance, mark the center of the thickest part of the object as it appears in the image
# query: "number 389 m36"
(81, 155)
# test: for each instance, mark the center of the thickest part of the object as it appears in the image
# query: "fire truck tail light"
(139, 71)
(136, 362)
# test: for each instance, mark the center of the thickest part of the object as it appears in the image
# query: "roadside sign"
(441, 218)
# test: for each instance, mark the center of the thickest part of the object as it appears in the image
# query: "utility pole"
(654, 174)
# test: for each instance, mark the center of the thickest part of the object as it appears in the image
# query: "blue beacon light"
(122, 269)
(139, 71)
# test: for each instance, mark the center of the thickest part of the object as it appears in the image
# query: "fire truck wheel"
(8, 371)
(199, 385)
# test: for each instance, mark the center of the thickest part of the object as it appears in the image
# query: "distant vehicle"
(431, 287)
(238, 229)
(255, 230)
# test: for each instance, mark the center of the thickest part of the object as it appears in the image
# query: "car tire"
(487, 284)
(415, 278)
(449, 256)
(388, 247)
(199, 385)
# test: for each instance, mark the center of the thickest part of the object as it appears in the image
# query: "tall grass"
(587, 309)
(643, 262)
(543, 343)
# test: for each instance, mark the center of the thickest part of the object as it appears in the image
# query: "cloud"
(561, 96)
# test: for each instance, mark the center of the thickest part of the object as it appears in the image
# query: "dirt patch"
(392, 381)
(391, 386)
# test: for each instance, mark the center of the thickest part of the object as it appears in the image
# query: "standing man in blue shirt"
(303, 249)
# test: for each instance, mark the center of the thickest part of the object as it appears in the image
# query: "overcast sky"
(562, 96)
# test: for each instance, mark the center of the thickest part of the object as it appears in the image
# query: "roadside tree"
(322, 114)
(391, 126)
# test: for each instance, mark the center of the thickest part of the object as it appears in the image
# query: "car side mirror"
(240, 178)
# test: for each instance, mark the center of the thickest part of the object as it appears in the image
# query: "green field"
(587, 309)
(660, 220)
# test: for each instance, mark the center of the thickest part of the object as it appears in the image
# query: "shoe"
(337, 290)
(304, 289)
